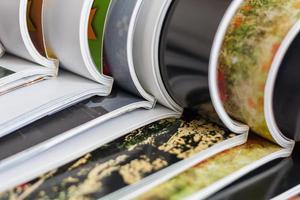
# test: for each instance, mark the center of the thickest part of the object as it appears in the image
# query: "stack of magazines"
(144, 99)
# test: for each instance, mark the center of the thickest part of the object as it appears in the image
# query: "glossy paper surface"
(251, 42)
(116, 43)
(125, 161)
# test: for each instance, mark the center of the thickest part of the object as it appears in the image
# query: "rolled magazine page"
(74, 35)
(25, 61)
(247, 54)
(118, 44)
(21, 32)
(146, 47)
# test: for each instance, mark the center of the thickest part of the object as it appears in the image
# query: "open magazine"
(132, 38)
(27, 41)
(164, 58)
(23, 55)
(124, 44)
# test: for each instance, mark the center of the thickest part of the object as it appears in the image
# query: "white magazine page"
(56, 128)
(14, 33)
(84, 143)
(66, 37)
(146, 50)
(43, 98)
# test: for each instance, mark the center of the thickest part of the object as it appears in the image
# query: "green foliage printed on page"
(96, 30)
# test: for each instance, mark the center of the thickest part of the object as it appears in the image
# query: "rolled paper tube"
(253, 47)
(186, 42)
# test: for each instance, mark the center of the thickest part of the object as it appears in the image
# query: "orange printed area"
(238, 21)
(297, 5)
(266, 66)
(256, 104)
(247, 8)
(91, 32)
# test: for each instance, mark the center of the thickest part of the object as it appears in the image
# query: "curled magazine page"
(248, 51)
(22, 38)
(118, 42)
(76, 39)
(129, 159)
(21, 31)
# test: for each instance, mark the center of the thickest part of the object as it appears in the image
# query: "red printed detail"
(222, 85)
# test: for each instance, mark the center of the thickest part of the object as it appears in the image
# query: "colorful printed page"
(96, 31)
(209, 172)
(34, 23)
(125, 161)
(252, 40)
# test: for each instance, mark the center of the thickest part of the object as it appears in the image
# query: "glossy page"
(250, 45)
(116, 43)
(126, 161)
